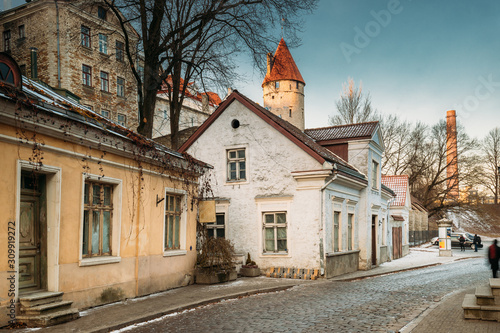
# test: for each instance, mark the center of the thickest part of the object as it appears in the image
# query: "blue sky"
(419, 59)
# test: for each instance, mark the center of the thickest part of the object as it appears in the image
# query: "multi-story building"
(78, 48)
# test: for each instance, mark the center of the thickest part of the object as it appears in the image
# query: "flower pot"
(250, 271)
(204, 276)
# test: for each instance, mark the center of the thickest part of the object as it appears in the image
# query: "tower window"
(297, 84)
(276, 84)
(290, 112)
(272, 97)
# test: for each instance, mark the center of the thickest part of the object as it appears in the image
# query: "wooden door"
(29, 244)
(374, 240)
(397, 242)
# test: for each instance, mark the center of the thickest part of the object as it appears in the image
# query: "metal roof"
(343, 132)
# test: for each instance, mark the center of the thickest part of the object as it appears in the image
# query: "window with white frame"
(217, 229)
(374, 175)
(103, 43)
(236, 165)
(275, 232)
(336, 231)
(350, 229)
(97, 219)
(173, 212)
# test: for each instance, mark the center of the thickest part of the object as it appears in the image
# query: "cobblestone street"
(380, 304)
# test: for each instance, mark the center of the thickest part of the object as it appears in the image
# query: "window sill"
(275, 255)
(99, 261)
(173, 253)
(230, 183)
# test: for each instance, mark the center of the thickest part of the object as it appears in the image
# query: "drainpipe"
(137, 234)
(58, 48)
(322, 221)
(34, 65)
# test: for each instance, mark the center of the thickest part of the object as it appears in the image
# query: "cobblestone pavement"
(379, 304)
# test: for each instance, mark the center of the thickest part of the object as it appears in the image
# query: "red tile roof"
(343, 132)
(283, 66)
(399, 184)
(213, 98)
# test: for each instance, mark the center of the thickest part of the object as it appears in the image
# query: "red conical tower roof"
(283, 66)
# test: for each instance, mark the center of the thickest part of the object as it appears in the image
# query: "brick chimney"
(451, 155)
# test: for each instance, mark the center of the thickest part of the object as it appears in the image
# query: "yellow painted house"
(90, 212)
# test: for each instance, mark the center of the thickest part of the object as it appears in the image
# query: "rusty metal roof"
(343, 132)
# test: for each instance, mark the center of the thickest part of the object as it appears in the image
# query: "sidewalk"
(445, 316)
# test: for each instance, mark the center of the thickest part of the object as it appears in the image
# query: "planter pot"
(206, 277)
(250, 271)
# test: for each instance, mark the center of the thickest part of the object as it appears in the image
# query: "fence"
(417, 237)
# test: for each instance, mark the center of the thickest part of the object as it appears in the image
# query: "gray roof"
(343, 132)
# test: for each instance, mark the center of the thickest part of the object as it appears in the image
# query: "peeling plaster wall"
(270, 186)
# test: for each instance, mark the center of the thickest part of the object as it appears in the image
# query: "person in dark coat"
(475, 241)
(462, 242)
(493, 256)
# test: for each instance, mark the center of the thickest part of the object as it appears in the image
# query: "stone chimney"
(270, 61)
(451, 155)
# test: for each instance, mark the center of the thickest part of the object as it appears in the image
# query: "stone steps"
(45, 308)
(484, 304)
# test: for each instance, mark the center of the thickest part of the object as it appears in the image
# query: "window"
(173, 212)
(297, 84)
(119, 51)
(276, 84)
(275, 232)
(165, 114)
(87, 75)
(21, 32)
(350, 219)
(336, 231)
(103, 43)
(120, 87)
(122, 119)
(374, 175)
(289, 112)
(6, 40)
(97, 219)
(236, 165)
(101, 13)
(85, 36)
(105, 81)
(217, 229)
(105, 113)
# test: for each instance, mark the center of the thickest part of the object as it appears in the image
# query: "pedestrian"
(493, 256)
(462, 242)
(475, 242)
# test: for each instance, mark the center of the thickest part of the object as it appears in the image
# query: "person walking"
(475, 241)
(493, 256)
(462, 242)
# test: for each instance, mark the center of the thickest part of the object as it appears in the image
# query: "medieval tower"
(451, 155)
(284, 87)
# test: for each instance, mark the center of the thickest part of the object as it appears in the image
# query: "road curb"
(193, 305)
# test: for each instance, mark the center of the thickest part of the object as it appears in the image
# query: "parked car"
(435, 240)
(455, 239)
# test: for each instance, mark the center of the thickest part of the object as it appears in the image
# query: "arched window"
(9, 71)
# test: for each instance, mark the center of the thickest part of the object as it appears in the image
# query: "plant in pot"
(215, 262)
(250, 268)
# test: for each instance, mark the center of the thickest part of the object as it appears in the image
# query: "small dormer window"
(101, 13)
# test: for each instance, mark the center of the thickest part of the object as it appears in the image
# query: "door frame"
(53, 211)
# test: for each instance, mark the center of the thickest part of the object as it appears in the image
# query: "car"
(455, 240)
(435, 240)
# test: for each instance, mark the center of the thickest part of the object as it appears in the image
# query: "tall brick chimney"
(451, 155)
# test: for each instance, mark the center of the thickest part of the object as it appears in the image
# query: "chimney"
(270, 62)
(204, 103)
(34, 64)
(451, 155)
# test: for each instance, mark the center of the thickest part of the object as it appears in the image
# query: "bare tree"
(198, 40)
(491, 149)
(353, 106)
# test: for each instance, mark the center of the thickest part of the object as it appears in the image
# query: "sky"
(416, 58)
